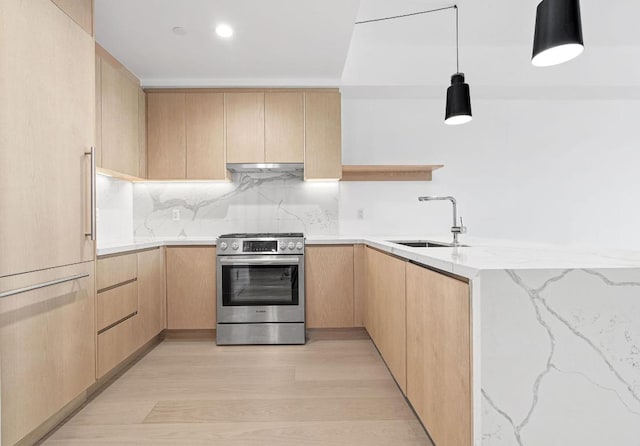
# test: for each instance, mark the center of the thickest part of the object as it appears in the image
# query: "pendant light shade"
(458, 101)
(558, 34)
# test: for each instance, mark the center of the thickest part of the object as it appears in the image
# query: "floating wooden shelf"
(389, 173)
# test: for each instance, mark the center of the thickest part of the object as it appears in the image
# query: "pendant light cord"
(408, 15)
(457, 41)
(382, 19)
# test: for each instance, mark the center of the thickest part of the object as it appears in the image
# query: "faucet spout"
(455, 229)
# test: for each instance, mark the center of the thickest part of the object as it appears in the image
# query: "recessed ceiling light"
(224, 31)
(179, 30)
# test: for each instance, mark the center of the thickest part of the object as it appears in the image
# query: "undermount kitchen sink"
(424, 244)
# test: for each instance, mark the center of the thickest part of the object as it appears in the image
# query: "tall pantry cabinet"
(47, 299)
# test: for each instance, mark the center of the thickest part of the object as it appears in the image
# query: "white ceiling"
(276, 42)
(307, 43)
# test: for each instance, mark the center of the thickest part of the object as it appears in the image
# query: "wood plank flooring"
(335, 390)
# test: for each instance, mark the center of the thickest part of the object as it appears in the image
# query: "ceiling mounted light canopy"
(458, 108)
(558, 32)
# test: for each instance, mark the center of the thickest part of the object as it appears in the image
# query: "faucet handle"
(462, 229)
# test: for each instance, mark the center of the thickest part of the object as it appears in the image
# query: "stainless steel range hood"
(265, 167)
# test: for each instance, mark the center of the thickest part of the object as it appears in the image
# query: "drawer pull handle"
(42, 285)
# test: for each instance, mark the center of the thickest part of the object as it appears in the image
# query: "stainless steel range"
(260, 289)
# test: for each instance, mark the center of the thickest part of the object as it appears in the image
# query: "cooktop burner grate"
(263, 235)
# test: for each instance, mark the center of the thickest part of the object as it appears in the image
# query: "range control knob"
(291, 245)
(235, 246)
(299, 246)
(283, 246)
(223, 245)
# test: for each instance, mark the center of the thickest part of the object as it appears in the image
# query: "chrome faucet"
(455, 229)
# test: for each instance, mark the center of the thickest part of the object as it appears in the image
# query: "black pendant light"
(458, 109)
(558, 34)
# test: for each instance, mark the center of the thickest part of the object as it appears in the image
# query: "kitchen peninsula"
(551, 331)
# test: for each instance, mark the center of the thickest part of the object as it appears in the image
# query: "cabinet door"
(166, 137)
(386, 319)
(47, 346)
(120, 143)
(329, 286)
(98, 84)
(284, 127)
(245, 127)
(359, 286)
(205, 136)
(439, 354)
(142, 133)
(191, 287)
(47, 113)
(81, 11)
(323, 136)
(151, 295)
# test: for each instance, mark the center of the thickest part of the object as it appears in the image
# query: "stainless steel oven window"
(250, 285)
(263, 281)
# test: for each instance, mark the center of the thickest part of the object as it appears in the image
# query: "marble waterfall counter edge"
(559, 354)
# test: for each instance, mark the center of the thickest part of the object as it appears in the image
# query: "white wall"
(563, 171)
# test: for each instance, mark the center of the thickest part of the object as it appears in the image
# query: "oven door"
(267, 288)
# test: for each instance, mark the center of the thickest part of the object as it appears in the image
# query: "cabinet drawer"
(116, 304)
(115, 345)
(115, 270)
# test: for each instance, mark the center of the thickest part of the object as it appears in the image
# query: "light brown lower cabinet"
(114, 270)
(47, 345)
(439, 354)
(329, 286)
(386, 312)
(191, 287)
(116, 344)
(132, 308)
(152, 303)
(116, 304)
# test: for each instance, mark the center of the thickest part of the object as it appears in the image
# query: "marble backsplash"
(115, 211)
(257, 202)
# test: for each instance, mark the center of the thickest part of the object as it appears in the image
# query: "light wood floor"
(333, 391)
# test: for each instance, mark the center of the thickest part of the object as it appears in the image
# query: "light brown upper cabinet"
(245, 127)
(80, 11)
(47, 116)
(323, 136)
(142, 133)
(205, 136)
(185, 136)
(118, 111)
(166, 138)
(284, 127)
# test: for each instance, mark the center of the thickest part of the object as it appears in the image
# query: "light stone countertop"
(480, 255)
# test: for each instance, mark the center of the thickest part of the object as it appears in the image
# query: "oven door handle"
(289, 260)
